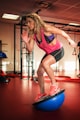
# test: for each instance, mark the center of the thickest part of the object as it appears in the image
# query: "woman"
(43, 34)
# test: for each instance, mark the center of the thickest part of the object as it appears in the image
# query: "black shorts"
(58, 54)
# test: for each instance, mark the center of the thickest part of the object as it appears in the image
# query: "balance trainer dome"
(51, 103)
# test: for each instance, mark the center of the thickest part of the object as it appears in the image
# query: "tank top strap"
(42, 33)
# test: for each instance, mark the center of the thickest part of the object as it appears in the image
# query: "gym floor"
(17, 97)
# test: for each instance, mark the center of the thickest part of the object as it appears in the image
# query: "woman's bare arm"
(55, 30)
(28, 40)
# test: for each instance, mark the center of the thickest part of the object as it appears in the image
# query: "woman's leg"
(46, 63)
(51, 59)
(40, 74)
(45, 66)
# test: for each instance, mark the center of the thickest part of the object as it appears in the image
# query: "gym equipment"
(2, 55)
(4, 79)
(79, 58)
(23, 53)
(50, 103)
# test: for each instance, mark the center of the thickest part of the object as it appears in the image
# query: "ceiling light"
(75, 24)
(44, 4)
(10, 16)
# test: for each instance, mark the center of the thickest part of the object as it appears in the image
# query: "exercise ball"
(51, 103)
(2, 55)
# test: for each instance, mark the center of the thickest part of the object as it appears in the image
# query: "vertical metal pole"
(32, 65)
(14, 48)
(79, 63)
(0, 58)
(21, 48)
(79, 58)
(28, 66)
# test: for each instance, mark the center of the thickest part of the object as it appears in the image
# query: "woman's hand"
(72, 43)
(25, 36)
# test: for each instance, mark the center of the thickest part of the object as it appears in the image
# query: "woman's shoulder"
(48, 28)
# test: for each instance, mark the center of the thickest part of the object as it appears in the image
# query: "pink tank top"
(45, 46)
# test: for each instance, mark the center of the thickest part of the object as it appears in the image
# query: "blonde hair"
(39, 23)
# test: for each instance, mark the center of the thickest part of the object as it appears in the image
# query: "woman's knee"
(45, 64)
(40, 72)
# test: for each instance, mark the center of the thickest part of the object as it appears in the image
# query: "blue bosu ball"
(51, 103)
(2, 55)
